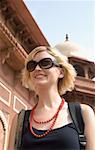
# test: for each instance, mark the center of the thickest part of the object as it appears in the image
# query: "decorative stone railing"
(85, 85)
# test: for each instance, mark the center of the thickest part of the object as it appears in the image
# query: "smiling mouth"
(40, 76)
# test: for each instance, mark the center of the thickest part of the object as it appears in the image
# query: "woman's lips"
(40, 75)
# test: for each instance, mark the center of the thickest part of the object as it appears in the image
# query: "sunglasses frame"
(53, 63)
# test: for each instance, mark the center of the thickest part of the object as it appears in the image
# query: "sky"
(56, 18)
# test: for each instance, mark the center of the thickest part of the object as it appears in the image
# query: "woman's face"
(45, 78)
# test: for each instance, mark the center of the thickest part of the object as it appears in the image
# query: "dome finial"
(67, 37)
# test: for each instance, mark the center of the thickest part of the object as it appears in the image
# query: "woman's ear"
(61, 75)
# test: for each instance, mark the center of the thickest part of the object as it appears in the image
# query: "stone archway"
(3, 131)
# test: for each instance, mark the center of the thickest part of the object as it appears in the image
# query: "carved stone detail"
(12, 39)
(5, 53)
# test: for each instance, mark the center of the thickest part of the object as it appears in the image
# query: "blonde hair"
(64, 84)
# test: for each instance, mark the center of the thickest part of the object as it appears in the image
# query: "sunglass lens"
(31, 65)
(46, 63)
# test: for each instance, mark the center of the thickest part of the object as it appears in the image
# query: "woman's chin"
(41, 83)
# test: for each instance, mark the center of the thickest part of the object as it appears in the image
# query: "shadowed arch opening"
(80, 70)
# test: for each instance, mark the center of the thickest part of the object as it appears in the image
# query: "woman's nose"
(38, 67)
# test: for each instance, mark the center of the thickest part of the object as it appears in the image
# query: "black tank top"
(63, 138)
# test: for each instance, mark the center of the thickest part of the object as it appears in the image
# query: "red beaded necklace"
(42, 122)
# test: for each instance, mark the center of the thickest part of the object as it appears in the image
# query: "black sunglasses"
(45, 63)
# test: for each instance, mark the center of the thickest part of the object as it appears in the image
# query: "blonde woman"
(49, 125)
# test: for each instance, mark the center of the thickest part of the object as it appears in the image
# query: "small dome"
(69, 48)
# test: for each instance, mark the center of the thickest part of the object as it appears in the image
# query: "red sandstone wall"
(13, 97)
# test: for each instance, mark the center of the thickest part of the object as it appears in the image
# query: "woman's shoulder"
(89, 121)
(88, 113)
(87, 108)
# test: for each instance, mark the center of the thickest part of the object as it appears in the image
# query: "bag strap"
(19, 127)
(76, 115)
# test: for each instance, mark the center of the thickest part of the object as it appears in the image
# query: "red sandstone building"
(20, 34)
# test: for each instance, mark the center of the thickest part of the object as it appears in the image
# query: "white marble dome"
(70, 48)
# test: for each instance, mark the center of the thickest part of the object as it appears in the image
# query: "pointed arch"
(3, 131)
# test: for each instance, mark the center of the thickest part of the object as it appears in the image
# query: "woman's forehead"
(42, 54)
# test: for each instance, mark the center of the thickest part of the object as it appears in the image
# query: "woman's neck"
(49, 99)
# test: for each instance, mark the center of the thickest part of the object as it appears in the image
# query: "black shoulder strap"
(19, 127)
(76, 115)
